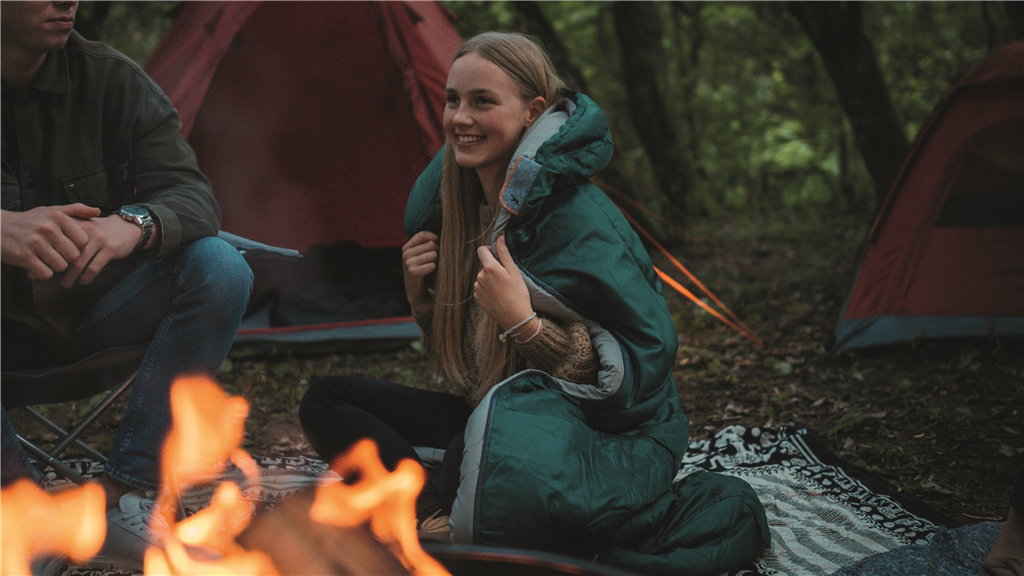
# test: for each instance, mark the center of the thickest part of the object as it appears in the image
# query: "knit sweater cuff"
(563, 353)
(425, 322)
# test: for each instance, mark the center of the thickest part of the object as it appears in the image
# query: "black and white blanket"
(825, 514)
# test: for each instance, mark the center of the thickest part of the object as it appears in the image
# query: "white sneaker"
(131, 529)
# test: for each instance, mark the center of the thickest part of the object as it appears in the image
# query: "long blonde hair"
(461, 195)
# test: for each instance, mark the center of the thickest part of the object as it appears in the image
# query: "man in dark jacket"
(108, 238)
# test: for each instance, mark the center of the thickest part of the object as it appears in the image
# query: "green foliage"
(133, 28)
(926, 47)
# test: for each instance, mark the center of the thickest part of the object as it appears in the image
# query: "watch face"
(135, 211)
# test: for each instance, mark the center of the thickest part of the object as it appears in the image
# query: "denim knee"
(220, 272)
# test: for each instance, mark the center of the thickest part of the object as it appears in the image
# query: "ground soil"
(940, 420)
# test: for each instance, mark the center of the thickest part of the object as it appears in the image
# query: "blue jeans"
(188, 307)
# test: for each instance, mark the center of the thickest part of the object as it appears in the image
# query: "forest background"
(756, 140)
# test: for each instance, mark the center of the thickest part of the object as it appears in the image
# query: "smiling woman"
(546, 316)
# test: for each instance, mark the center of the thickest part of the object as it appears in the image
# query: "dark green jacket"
(93, 128)
(576, 468)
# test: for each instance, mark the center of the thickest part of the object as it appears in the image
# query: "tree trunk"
(638, 30)
(1015, 10)
(836, 32)
(536, 24)
(539, 26)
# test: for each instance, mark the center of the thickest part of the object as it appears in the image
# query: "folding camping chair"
(110, 371)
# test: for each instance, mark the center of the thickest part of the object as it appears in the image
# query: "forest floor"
(940, 420)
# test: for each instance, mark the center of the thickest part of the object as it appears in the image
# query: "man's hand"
(110, 238)
(44, 240)
(419, 260)
(500, 289)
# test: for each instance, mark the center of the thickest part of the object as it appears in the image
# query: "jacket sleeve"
(166, 176)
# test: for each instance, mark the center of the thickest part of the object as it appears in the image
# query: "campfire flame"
(72, 524)
(387, 500)
(208, 428)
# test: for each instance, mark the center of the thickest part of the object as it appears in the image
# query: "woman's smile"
(468, 138)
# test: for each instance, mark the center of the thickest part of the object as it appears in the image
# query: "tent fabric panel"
(184, 63)
(878, 331)
(904, 226)
(306, 132)
(424, 70)
(1002, 66)
(967, 271)
(436, 23)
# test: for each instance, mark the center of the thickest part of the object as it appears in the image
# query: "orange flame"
(72, 524)
(208, 427)
(387, 500)
(217, 526)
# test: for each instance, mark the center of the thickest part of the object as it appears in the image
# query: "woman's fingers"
(419, 240)
(487, 260)
(504, 256)
(419, 255)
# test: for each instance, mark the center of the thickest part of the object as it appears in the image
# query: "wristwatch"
(140, 216)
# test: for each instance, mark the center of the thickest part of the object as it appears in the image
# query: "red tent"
(312, 120)
(946, 255)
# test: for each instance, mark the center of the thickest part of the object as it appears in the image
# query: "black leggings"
(337, 411)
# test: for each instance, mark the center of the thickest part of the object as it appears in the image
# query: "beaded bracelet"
(540, 324)
(504, 336)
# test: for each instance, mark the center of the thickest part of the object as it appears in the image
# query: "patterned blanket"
(825, 514)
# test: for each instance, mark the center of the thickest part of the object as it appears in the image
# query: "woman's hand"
(419, 260)
(499, 287)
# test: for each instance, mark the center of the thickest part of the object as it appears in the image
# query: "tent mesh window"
(989, 188)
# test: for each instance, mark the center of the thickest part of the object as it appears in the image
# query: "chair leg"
(91, 417)
(69, 438)
(61, 433)
(47, 460)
